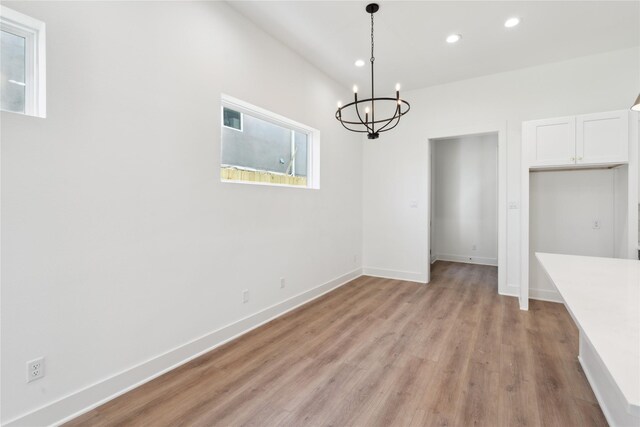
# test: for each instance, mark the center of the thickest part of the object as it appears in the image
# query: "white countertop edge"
(633, 409)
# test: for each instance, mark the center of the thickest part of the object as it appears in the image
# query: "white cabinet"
(551, 142)
(602, 138)
(591, 139)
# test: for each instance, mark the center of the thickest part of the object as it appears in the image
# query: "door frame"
(468, 130)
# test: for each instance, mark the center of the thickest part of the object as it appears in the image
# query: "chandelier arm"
(396, 124)
(399, 115)
(360, 117)
(361, 101)
(387, 122)
(360, 124)
(348, 128)
(408, 107)
(354, 130)
(396, 115)
(384, 121)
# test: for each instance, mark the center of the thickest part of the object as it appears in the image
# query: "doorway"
(467, 214)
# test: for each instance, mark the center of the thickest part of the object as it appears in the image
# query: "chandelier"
(370, 125)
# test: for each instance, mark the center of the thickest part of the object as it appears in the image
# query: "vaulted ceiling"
(410, 35)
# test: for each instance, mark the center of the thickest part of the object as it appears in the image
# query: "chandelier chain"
(372, 57)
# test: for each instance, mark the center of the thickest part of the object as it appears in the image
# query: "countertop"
(603, 296)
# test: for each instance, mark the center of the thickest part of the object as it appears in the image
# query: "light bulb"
(366, 110)
(339, 104)
(397, 87)
(453, 38)
(355, 89)
(512, 22)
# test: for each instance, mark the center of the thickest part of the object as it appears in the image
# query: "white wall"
(563, 208)
(119, 242)
(395, 234)
(464, 213)
(621, 211)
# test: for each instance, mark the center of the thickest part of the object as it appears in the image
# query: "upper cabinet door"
(602, 138)
(551, 142)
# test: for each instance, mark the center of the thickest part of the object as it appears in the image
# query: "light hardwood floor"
(380, 352)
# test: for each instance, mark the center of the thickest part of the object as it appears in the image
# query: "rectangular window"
(22, 63)
(269, 149)
(232, 119)
(12, 64)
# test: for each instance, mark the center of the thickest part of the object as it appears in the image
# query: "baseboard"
(545, 295)
(511, 291)
(467, 259)
(393, 274)
(79, 402)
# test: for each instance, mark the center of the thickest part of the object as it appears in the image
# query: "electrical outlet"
(283, 283)
(245, 296)
(596, 224)
(35, 369)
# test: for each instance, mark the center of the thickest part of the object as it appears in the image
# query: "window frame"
(313, 139)
(34, 33)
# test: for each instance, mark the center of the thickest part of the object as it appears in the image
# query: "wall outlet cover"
(35, 369)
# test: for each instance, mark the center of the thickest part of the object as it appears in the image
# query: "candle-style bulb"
(397, 87)
(366, 110)
(355, 89)
(339, 104)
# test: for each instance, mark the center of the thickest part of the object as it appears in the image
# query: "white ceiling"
(410, 36)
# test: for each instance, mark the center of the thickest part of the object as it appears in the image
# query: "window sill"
(38, 116)
(266, 184)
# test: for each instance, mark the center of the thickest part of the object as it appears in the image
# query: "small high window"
(261, 147)
(232, 119)
(22, 63)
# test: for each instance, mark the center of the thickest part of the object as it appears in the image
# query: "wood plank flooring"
(381, 352)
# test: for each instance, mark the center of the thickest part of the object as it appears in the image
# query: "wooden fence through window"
(235, 174)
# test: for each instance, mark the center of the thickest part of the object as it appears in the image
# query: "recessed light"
(512, 22)
(359, 63)
(453, 38)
